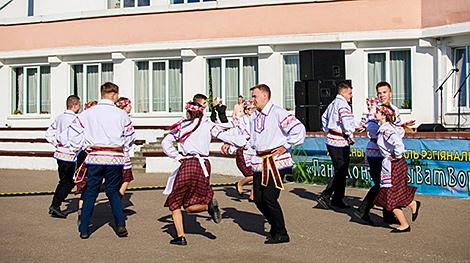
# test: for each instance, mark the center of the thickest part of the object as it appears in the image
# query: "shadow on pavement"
(190, 223)
(102, 214)
(247, 221)
(349, 200)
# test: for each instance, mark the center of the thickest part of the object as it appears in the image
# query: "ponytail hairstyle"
(388, 112)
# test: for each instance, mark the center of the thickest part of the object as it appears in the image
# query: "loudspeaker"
(300, 93)
(316, 92)
(310, 116)
(322, 64)
(431, 127)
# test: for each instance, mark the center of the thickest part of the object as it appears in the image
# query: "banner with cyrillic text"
(435, 166)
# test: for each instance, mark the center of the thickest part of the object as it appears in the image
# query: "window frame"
(388, 71)
(84, 96)
(150, 111)
(293, 53)
(222, 74)
(452, 103)
(24, 114)
(136, 4)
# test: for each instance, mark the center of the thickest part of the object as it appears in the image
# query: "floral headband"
(385, 110)
(194, 108)
(123, 103)
(248, 104)
(372, 100)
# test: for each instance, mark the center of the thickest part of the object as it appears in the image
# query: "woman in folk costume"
(243, 155)
(127, 176)
(189, 186)
(374, 164)
(394, 193)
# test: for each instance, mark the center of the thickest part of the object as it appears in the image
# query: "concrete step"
(138, 170)
(138, 160)
(151, 149)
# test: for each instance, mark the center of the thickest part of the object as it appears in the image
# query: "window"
(290, 74)
(31, 90)
(395, 68)
(461, 61)
(159, 86)
(30, 7)
(229, 77)
(127, 3)
(86, 79)
(189, 1)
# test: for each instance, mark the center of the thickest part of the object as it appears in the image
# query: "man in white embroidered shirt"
(273, 131)
(63, 155)
(338, 122)
(105, 132)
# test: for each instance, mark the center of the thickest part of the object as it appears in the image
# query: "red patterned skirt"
(127, 175)
(191, 187)
(241, 164)
(400, 194)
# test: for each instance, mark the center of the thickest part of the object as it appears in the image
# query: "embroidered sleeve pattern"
(347, 119)
(292, 128)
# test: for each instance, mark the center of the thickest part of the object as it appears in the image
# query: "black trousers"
(66, 183)
(337, 185)
(266, 199)
(375, 167)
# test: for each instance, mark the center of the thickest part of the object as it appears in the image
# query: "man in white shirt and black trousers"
(64, 156)
(338, 122)
(105, 132)
(273, 131)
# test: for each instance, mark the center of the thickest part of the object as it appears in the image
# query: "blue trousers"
(112, 183)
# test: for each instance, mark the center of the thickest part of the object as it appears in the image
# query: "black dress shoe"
(213, 210)
(181, 241)
(323, 202)
(84, 235)
(121, 231)
(397, 230)
(55, 212)
(278, 239)
(341, 205)
(414, 216)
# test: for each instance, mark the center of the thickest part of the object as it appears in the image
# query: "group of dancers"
(95, 144)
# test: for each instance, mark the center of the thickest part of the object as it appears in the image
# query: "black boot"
(213, 210)
(181, 241)
(55, 212)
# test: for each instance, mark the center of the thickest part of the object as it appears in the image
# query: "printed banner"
(435, 166)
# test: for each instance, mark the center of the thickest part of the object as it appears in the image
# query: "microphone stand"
(441, 87)
(458, 103)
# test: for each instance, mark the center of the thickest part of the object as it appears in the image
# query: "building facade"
(162, 52)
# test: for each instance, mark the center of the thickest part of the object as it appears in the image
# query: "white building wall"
(14, 9)
(53, 7)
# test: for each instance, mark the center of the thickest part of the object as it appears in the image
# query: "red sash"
(269, 168)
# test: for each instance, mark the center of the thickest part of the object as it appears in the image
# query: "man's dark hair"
(199, 96)
(262, 87)
(72, 100)
(383, 84)
(342, 86)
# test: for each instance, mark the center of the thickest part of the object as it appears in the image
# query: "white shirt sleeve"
(168, 145)
(347, 119)
(227, 137)
(292, 128)
(74, 136)
(51, 133)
